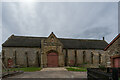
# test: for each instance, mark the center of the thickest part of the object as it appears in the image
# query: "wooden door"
(52, 60)
(117, 62)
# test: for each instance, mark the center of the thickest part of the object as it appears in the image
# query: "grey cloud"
(119, 17)
(0, 26)
(97, 32)
(73, 20)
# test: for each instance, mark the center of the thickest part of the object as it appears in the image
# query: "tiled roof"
(112, 41)
(24, 41)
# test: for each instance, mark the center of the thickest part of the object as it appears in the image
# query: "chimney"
(103, 38)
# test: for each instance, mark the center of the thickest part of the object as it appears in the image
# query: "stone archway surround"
(60, 58)
(53, 44)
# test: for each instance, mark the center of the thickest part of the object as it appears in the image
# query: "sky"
(79, 20)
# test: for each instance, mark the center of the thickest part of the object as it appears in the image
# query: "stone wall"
(112, 50)
(20, 56)
(71, 57)
(87, 60)
(28, 57)
(79, 57)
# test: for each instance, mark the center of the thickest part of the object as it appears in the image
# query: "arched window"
(92, 57)
(99, 58)
(84, 56)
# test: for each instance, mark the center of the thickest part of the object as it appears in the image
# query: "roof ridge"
(21, 41)
(58, 38)
(30, 36)
(80, 39)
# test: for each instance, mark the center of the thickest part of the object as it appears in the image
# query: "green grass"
(30, 69)
(27, 69)
(81, 69)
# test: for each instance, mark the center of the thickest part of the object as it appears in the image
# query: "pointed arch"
(52, 51)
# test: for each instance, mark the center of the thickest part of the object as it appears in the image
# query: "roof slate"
(24, 41)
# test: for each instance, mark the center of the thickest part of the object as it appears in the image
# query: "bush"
(85, 63)
(102, 67)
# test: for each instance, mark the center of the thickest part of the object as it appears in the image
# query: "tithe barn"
(51, 51)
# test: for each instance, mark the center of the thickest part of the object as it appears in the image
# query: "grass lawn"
(27, 69)
(82, 69)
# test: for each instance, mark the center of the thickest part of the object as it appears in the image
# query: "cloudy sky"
(83, 20)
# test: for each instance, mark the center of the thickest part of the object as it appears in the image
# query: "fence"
(103, 73)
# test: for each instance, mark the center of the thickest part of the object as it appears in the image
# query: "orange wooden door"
(52, 60)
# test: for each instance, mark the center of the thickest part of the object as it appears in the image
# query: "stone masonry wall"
(70, 58)
(114, 49)
(66, 58)
(9, 52)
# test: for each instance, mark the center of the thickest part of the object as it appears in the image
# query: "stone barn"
(113, 52)
(51, 51)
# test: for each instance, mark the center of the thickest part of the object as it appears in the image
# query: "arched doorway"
(52, 59)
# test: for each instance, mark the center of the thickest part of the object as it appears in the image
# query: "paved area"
(54, 69)
(52, 73)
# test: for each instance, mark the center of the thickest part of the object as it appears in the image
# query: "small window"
(84, 56)
(99, 58)
(15, 58)
(92, 57)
